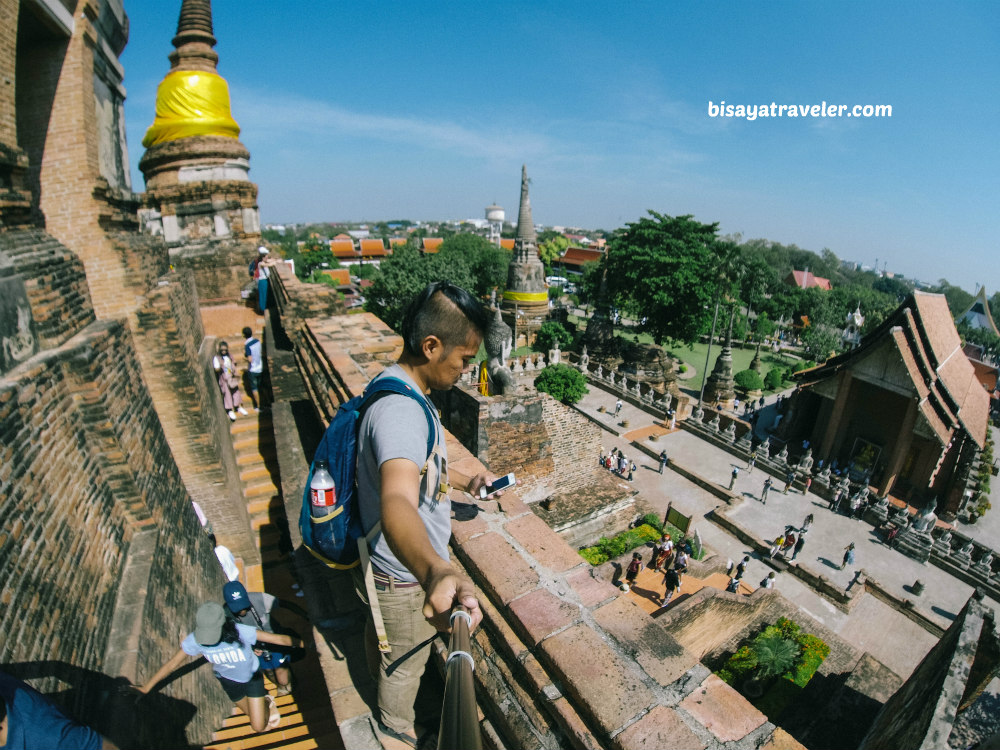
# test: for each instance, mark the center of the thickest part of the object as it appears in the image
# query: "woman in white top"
(229, 382)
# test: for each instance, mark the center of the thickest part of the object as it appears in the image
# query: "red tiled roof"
(372, 248)
(806, 279)
(343, 248)
(943, 378)
(340, 275)
(432, 244)
(577, 256)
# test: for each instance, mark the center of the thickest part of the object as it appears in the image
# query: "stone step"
(253, 440)
(259, 487)
(251, 423)
(255, 472)
(254, 457)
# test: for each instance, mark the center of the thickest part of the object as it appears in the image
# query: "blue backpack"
(333, 539)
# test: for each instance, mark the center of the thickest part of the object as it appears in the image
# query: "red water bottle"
(322, 491)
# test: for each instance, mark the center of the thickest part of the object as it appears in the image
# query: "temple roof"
(806, 279)
(978, 315)
(924, 335)
(372, 248)
(343, 249)
(577, 256)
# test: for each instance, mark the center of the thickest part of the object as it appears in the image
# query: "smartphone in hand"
(500, 484)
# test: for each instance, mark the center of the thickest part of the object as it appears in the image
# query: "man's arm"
(471, 484)
(406, 536)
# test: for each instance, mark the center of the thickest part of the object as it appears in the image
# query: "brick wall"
(177, 364)
(85, 467)
(54, 281)
(220, 268)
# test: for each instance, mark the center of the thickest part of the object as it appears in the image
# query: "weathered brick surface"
(722, 710)
(85, 465)
(540, 613)
(543, 544)
(660, 728)
(55, 284)
(654, 650)
(587, 666)
(178, 368)
(498, 567)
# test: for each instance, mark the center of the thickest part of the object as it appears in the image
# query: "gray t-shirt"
(395, 427)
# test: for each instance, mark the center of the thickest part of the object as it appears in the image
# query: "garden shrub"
(748, 380)
(808, 653)
(773, 379)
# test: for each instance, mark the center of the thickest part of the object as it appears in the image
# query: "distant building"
(574, 258)
(904, 412)
(978, 315)
(806, 280)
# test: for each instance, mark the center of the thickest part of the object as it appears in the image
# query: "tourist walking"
(799, 544)
(618, 406)
(681, 562)
(255, 609)
(732, 478)
(763, 492)
(768, 582)
(672, 581)
(848, 556)
(666, 549)
(806, 523)
(252, 350)
(776, 545)
(230, 649)
(751, 462)
(633, 570)
(789, 478)
(741, 568)
(229, 383)
(663, 460)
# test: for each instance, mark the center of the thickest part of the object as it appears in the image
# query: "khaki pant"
(397, 675)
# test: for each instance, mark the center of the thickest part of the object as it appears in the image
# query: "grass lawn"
(694, 356)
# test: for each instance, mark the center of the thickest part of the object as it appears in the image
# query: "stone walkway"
(887, 634)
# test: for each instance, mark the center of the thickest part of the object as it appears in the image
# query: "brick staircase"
(307, 719)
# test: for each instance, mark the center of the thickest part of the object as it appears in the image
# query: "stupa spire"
(195, 39)
(525, 224)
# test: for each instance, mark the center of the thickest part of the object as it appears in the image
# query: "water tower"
(495, 217)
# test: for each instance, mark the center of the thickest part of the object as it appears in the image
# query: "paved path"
(889, 635)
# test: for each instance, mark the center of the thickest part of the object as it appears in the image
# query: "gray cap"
(208, 623)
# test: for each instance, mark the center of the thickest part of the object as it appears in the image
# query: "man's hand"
(445, 588)
(481, 479)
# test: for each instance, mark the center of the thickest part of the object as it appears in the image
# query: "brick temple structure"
(197, 182)
(526, 299)
(112, 427)
(903, 412)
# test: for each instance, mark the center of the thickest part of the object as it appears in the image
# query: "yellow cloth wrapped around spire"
(191, 103)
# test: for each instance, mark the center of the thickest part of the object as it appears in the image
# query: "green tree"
(764, 326)
(562, 382)
(665, 269)
(486, 262)
(958, 299)
(550, 332)
(315, 252)
(775, 655)
(774, 378)
(552, 250)
(401, 277)
(820, 342)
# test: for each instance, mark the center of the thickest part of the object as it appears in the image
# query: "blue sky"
(361, 111)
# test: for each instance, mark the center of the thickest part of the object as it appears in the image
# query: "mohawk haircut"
(446, 311)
